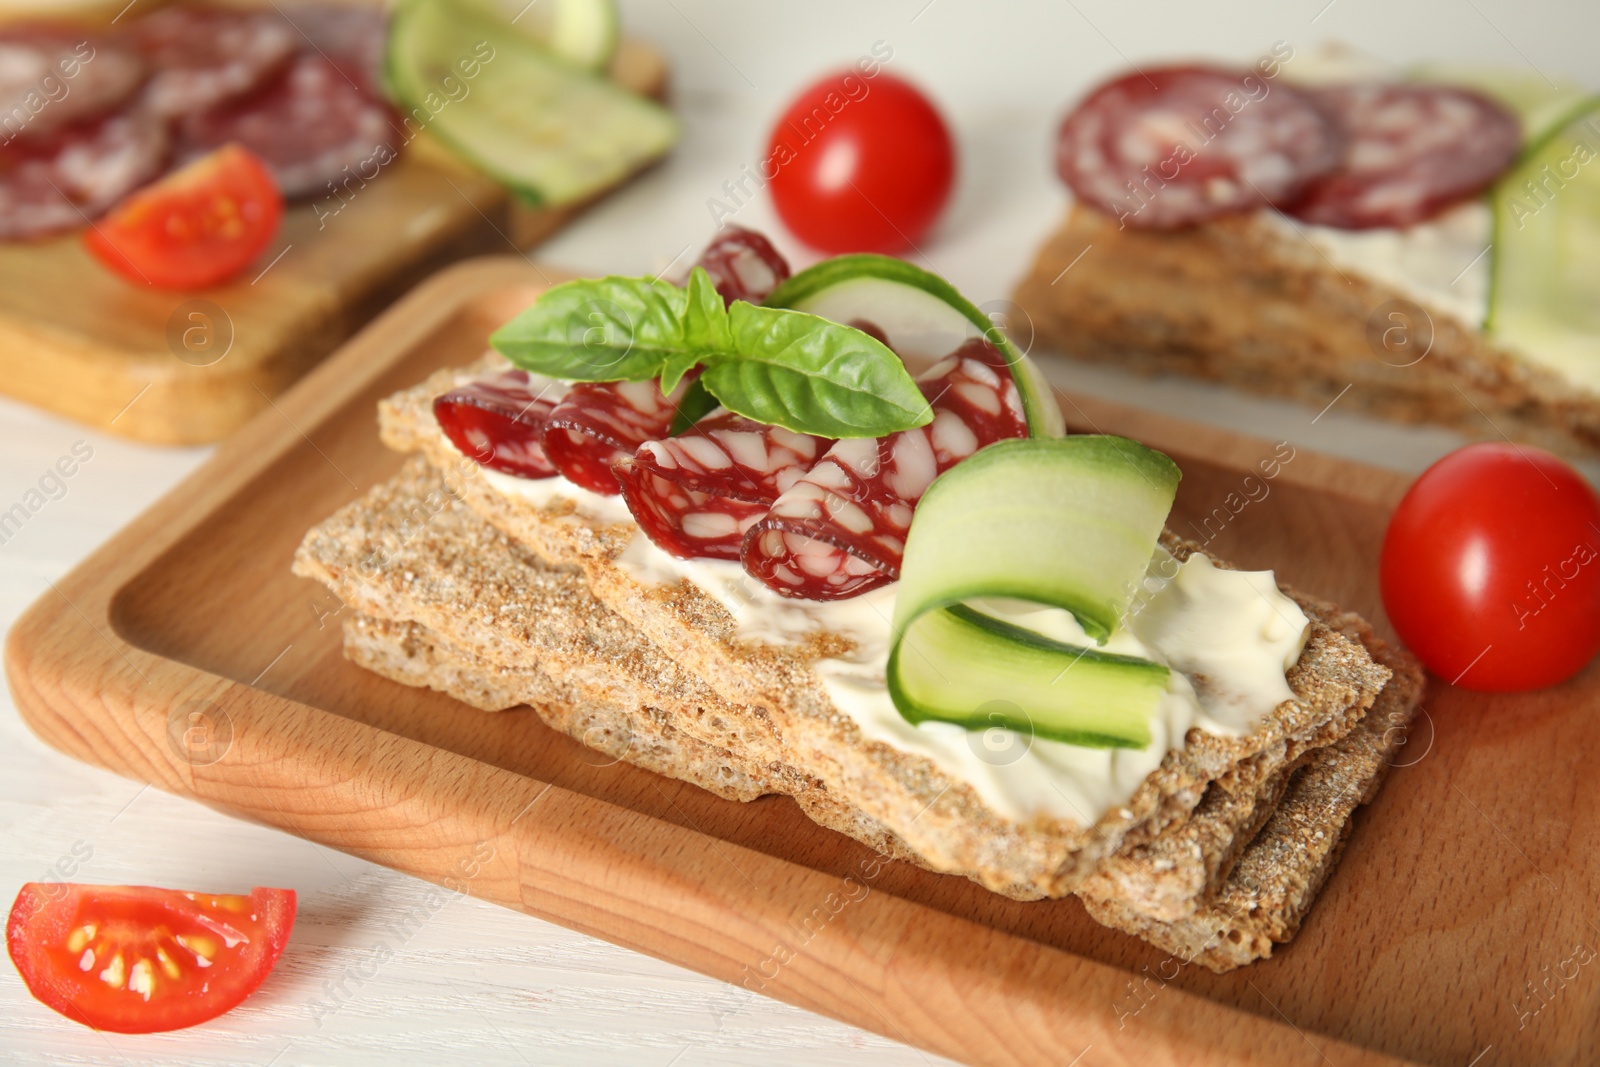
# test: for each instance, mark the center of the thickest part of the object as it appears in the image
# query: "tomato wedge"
(198, 226)
(135, 960)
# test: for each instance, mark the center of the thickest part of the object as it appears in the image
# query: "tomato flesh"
(135, 960)
(1491, 568)
(860, 164)
(198, 226)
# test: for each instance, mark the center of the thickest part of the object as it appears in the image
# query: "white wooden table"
(482, 985)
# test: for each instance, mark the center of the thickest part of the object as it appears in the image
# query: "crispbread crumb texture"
(1270, 889)
(645, 737)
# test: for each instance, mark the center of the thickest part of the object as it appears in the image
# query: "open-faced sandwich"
(826, 536)
(172, 137)
(1325, 228)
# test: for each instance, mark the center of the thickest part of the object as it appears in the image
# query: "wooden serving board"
(1471, 875)
(189, 368)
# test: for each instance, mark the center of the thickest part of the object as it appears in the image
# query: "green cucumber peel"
(777, 366)
(1542, 268)
(550, 131)
(1078, 519)
(1097, 700)
(1044, 417)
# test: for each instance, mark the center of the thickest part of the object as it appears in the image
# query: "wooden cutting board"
(189, 368)
(1472, 874)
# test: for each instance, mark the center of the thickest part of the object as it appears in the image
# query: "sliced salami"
(598, 423)
(696, 494)
(351, 36)
(743, 264)
(53, 77)
(59, 182)
(499, 421)
(1174, 146)
(840, 530)
(204, 56)
(311, 125)
(1410, 152)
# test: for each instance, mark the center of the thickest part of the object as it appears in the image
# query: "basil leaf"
(705, 323)
(599, 330)
(705, 330)
(810, 375)
(695, 405)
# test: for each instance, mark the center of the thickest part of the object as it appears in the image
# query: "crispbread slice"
(1269, 890)
(409, 653)
(1173, 874)
(1182, 870)
(407, 551)
(1252, 303)
(945, 821)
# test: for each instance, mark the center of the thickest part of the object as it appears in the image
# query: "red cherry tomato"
(861, 164)
(1491, 568)
(135, 960)
(196, 227)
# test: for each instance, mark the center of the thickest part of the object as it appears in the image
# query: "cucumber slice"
(582, 32)
(921, 314)
(1544, 290)
(1065, 522)
(552, 133)
(1050, 690)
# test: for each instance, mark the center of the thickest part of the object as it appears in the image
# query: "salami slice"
(598, 423)
(53, 77)
(743, 264)
(499, 421)
(840, 530)
(59, 182)
(1410, 152)
(1175, 146)
(351, 36)
(311, 125)
(203, 56)
(696, 494)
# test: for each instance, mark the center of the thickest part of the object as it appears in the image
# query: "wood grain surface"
(189, 368)
(1468, 883)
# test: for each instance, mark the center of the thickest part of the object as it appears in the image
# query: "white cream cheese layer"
(1441, 264)
(1234, 630)
(542, 492)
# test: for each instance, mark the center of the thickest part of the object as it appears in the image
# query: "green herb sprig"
(777, 366)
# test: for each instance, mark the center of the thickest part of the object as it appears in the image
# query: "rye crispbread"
(407, 652)
(411, 654)
(944, 821)
(1183, 871)
(1269, 890)
(408, 552)
(1243, 301)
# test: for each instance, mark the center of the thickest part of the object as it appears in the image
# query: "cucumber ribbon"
(912, 304)
(1061, 522)
(1544, 288)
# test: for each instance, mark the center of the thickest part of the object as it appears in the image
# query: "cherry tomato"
(135, 960)
(196, 227)
(860, 164)
(1491, 568)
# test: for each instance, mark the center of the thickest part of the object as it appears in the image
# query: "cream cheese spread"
(1441, 264)
(1233, 632)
